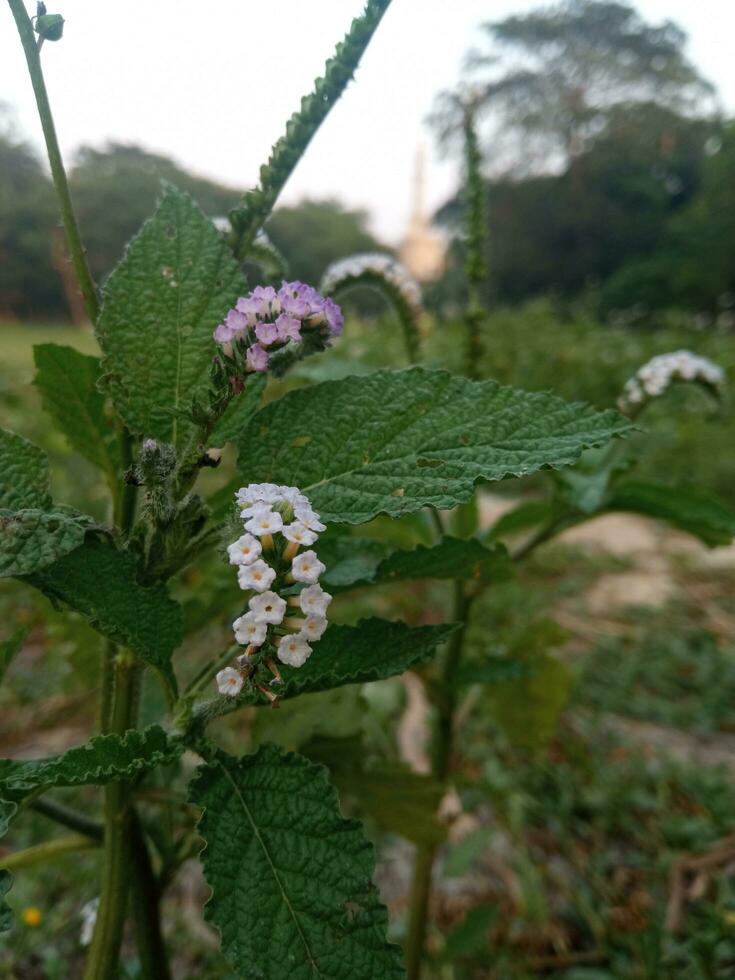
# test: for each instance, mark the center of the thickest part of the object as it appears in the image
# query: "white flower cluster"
(375, 263)
(658, 374)
(279, 521)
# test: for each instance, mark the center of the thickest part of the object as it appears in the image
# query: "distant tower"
(422, 250)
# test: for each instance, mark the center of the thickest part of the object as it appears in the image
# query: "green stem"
(58, 173)
(475, 234)
(103, 959)
(47, 851)
(442, 748)
(145, 895)
(67, 817)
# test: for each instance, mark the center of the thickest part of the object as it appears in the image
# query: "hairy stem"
(58, 173)
(475, 232)
(258, 203)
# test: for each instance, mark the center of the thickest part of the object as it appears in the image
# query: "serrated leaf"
(354, 562)
(100, 760)
(30, 540)
(173, 286)
(67, 381)
(703, 516)
(371, 651)
(395, 441)
(239, 411)
(292, 895)
(6, 915)
(11, 647)
(100, 582)
(23, 474)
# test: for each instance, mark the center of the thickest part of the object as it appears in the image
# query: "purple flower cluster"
(266, 320)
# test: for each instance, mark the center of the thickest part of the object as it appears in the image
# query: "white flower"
(245, 550)
(307, 516)
(314, 600)
(229, 681)
(248, 630)
(255, 493)
(268, 607)
(264, 521)
(307, 567)
(299, 534)
(293, 650)
(313, 628)
(258, 576)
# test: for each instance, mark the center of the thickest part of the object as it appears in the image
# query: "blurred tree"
(311, 234)
(566, 68)
(641, 170)
(694, 264)
(29, 283)
(115, 190)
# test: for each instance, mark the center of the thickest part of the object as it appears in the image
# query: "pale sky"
(211, 84)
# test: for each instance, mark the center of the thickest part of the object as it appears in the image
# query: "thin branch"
(58, 173)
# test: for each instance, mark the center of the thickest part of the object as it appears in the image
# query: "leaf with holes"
(100, 582)
(395, 441)
(67, 380)
(292, 894)
(175, 283)
(23, 474)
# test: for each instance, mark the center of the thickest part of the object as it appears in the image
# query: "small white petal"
(268, 607)
(258, 576)
(313, 628)
(306, 567)
(245, 550)
(299, 533)
(229, 681)
(293, 650)
(314, 600)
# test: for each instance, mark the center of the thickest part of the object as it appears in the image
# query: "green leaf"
(528, 707)
(175, 283)
(522, 518)
(68, 381)
(703, 516)
(399, 800)
(350, 560)
(100, 582)
(31, 540)
(6, 915)
(371, 651)
(100, 760)
(239, 411)
(11, 647)
(396, 441)
(354, 562)
(23, 474)
(292, 894)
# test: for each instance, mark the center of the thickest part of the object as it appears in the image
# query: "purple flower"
(333, 314)
(267, 298)
(256, 358)
(223, 334)
(249, 307)
(236, 321)
(297, 298)
(267, 333)
(289, 327)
